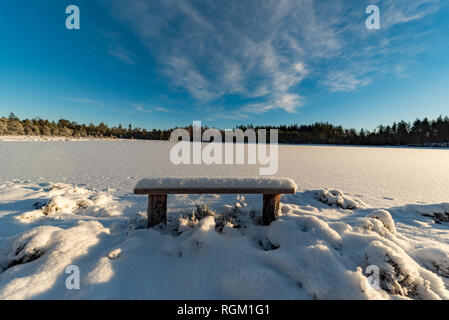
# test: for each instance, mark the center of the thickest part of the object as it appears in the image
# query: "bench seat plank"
(204, 185)
(213, 191)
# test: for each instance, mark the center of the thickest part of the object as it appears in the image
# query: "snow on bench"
(202, 185)
(158, 188)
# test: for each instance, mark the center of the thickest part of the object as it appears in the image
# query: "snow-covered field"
(70, 203)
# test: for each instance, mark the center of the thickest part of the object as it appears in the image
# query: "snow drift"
(320, 248)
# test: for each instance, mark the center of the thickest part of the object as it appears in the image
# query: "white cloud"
(185, 74)
(289, 102)
(224, 51)
(402, 11)
(89, 101)
(263, 51)
(343, 81)
(146, 109)
(121, 53)
(161, 109)
(142, 109)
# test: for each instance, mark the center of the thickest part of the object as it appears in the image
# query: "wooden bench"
(157, 190)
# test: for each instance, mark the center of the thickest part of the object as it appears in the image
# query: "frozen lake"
(379, 176)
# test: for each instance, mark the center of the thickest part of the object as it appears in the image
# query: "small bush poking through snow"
(434, 259)
(69, 199)
(386, 219)
(202, 211)
(39, 205)
(403, 276)
(186, 222)
(337, 199)
(26, 247)
(140, 221)
(397, 282)
(439, 212)
(438, 216)
(47, 251)
(228, 219)
(60, 204)
(396, 276)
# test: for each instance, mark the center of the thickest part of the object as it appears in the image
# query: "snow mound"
(338, 199)
(26, 247)
(439, 212)
(434, 259)
(401, 275)
(66, 199)
(347, 247)
(34, 260)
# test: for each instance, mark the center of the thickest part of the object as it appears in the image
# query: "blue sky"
(166, 63)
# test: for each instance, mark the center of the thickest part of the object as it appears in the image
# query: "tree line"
(423, 132)
(419, 133)
(12, 125)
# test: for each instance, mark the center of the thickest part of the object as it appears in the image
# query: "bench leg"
(271, 208)
(157, 210)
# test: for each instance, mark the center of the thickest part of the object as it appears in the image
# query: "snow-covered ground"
(71, 203)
